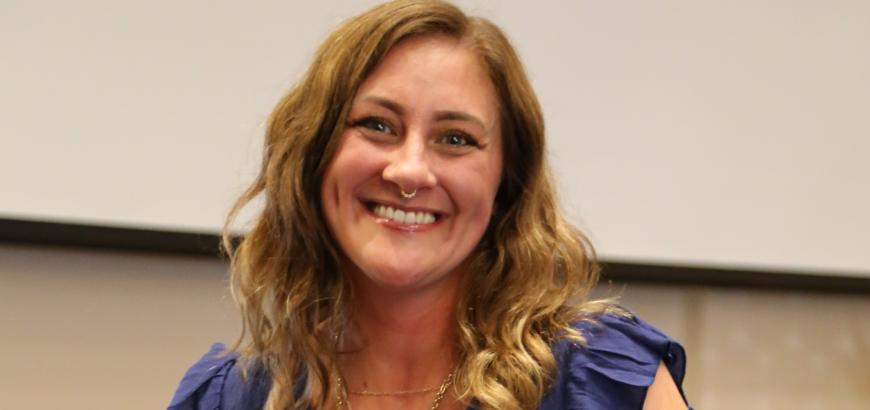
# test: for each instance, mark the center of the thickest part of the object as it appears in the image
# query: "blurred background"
(716, 153)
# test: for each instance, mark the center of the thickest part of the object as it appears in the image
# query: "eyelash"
(372, 123)
(468, 140)
(380, 125)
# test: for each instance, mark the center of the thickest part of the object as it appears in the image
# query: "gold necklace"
(398, 393)
(343, 401)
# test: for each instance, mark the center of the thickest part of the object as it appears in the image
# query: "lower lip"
(389, 223)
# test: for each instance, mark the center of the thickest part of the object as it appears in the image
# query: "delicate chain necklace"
(398, 393)
(343, 401)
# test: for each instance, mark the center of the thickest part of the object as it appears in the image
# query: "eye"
(458, 139)
(376, 124)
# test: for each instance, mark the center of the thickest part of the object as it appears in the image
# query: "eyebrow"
(439, 115)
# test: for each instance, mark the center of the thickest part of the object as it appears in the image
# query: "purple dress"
(613, 371)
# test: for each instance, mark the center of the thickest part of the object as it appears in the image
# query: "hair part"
(530, 276)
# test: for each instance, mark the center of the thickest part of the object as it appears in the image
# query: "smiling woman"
(410, 254)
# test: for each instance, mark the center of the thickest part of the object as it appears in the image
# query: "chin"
(398, 278)
(404, 277)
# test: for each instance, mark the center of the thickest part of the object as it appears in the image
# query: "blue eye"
(458, 139)
(376, 124)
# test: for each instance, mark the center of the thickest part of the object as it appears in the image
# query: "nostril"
(409, 173)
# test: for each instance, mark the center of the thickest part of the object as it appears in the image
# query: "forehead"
(437, 71)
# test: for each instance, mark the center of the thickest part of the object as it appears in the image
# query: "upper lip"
(403, 207)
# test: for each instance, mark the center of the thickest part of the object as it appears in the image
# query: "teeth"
(402, 217)
(410, 218)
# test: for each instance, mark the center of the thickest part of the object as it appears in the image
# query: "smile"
(401, 216)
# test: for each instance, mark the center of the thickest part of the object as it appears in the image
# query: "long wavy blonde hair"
(530, 274)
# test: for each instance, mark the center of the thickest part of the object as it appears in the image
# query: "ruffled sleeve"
(215, 382)
(202, 386)
(615, 368)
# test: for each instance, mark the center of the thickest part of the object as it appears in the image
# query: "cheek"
(491, 176)
(349, 164)
(335, 180)
(355, 164)
(490, 184)
(476, 188)
(329, 198)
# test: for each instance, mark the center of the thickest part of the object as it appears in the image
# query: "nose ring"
(407, 195)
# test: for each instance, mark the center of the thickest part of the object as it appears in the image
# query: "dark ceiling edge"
(692, 275)
(21, 231)
(107, 237)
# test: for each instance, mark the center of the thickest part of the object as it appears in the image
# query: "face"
(426, 121)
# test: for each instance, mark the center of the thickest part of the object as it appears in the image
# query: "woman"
(411, 254)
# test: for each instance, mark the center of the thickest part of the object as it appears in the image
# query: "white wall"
(692, 132)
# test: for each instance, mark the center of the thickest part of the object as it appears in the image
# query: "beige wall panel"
(87, 329)
(782, 350)
(104, 330)
(765, 349)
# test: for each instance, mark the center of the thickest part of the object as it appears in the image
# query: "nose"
(409, 168)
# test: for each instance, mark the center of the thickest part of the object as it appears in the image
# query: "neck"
(400, 339)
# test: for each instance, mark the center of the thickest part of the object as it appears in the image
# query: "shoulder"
(615, 367)
(215, 381)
